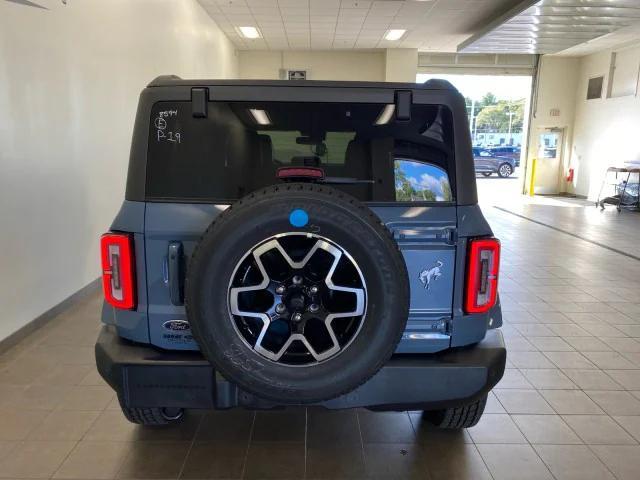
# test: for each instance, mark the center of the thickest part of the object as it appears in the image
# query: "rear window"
(420, 182)
(239, 147)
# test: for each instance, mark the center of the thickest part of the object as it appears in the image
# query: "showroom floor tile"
(568, 405)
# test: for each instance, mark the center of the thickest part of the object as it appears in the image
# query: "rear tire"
(153, 416)
(458, 417)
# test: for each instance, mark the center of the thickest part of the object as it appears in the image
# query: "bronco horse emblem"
(431, 275)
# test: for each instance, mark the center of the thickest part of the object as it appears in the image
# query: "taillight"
(118, 281)
(483, 263)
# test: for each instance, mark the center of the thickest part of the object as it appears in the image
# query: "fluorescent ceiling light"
(386, 114)
(260, 116)
(249, 32)
(394, 34)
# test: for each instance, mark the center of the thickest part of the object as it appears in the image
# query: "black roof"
(175, 81)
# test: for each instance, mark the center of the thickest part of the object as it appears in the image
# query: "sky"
(475, 86)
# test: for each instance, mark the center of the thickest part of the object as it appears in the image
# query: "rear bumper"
(147, 377)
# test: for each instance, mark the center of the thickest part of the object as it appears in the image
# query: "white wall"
(556, 84)
(401, 64)
(605, 130)
(69, 81)
(390, 65)
(321, 65)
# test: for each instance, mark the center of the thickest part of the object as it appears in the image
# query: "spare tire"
(297, 293)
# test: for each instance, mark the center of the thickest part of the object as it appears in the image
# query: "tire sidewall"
(500, 170)
(370, 247)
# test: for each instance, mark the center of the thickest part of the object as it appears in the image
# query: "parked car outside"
(507, 151)
(486, 163)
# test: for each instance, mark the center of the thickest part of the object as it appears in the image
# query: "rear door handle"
(420, 234)
(175, 262)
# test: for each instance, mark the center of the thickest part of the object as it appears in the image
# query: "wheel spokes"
(360, 300)
(265, 342)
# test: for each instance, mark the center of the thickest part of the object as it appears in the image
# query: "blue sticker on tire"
(298, 218)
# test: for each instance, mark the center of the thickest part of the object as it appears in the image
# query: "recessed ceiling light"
(394, 34)
(249, 32)
(260, 116)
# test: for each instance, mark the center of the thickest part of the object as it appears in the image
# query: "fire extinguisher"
(570, 175)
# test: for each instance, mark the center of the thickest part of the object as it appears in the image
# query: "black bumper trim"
(144, 376)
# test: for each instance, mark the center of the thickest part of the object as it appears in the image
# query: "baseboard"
(20, 334)
(562, 194)
(572, 195)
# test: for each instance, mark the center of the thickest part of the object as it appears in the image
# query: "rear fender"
(469, 329)
(132, 324)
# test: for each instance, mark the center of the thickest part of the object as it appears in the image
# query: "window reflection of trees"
(420, 182)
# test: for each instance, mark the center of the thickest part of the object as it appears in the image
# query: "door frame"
(557, 188)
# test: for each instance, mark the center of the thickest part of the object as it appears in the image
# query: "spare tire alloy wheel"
(297, 293)
(297, 301)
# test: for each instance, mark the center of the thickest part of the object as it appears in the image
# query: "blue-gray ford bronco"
(301, 243)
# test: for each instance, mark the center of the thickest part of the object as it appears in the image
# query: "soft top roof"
(175, 81)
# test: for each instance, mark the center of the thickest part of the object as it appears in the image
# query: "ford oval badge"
(176, 325)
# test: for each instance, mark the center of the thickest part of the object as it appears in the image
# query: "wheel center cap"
(296, 302)
(284, 317)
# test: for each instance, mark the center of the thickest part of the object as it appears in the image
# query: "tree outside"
(502, 116)
(493, 103)
(490, 115)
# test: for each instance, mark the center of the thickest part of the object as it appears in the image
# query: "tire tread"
(459, 417)
(146, 416)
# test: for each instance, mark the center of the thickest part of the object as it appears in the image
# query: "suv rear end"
(401, 150)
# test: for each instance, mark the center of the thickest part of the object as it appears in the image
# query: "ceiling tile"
(380, 23)
(271, 25)
(293, 3)
(292, 12)
(352, 14)
(295, 18)
(212, 8)
(389, 6)
(432, 25)
(265, 11)
(325, 4)
(240, 9)
(355, 4)
(322, 19)
(241, 20)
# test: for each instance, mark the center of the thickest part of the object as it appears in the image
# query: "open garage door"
(477, 64)
(497, 89)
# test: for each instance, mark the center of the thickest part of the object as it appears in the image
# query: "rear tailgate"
(400, 164)
(426, 237)
(172, 231)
